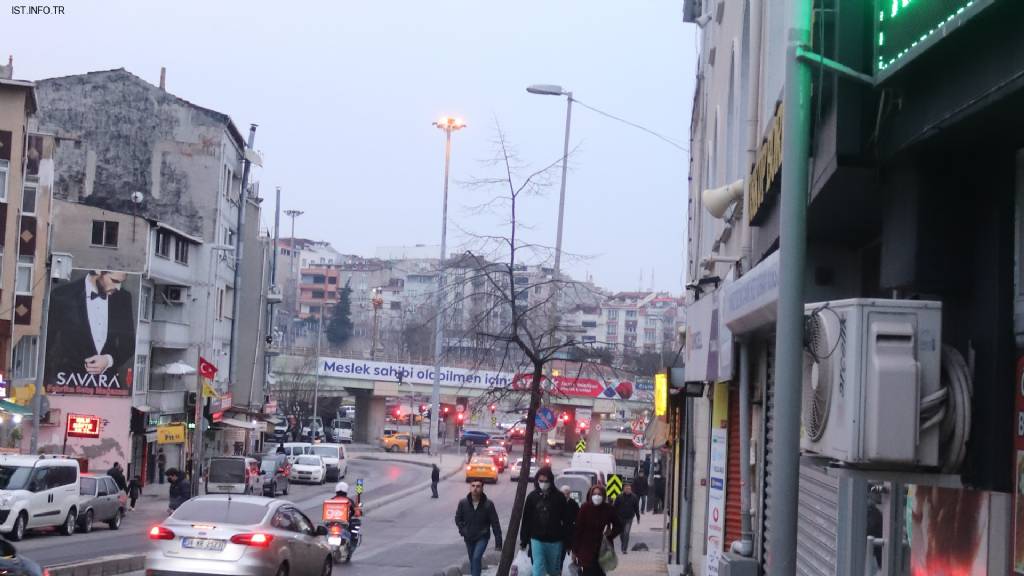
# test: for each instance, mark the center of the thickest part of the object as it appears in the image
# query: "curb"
(107, 566)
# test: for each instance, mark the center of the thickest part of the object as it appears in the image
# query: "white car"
(335, 459)
(517, 468)
(37, 492)
(295, 449)
(309, 468)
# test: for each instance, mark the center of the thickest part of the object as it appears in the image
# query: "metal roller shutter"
(817, 522)
(769, 444)
(733, 524)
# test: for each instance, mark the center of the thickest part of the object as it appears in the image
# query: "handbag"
(606, 558)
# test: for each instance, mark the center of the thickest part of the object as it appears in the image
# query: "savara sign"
(83, 426)
(467, 378)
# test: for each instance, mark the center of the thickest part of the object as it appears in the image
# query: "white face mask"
(544, 485)
(597, 499)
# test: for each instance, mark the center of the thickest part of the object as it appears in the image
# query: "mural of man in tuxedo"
(91, 334)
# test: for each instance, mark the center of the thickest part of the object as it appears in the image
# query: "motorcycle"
(343, 539)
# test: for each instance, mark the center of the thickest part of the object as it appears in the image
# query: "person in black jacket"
(572, 512)
(118, 476)
(627, 507)
(435, 477)
(545, 525)
(474, 516)
(180, 490)
(642, 489)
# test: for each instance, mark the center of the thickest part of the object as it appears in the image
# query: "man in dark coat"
(91, 333)
(641, 489)
(435, 477)
(118, 476)
(476, 517)
(627, 506)
(180, 490)
(545, 527)
(572, 512)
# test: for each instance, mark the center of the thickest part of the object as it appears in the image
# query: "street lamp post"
(449, 125)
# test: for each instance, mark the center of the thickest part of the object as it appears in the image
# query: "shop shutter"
(817, 522)
(733, 525)
(769, 445)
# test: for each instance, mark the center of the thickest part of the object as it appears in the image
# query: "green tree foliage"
(339, 328)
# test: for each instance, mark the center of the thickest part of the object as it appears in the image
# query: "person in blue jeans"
(546, 525)
(476, 517)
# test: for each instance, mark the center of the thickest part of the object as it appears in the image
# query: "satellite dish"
(138, 197)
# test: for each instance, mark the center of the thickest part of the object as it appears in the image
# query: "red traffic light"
(446, 410)
(565, 417)
(461, 417)
(423, 407)
(493, 408)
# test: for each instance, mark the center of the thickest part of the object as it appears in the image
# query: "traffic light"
(493, 407)
(444, 413)
(460, 418)
(398, 413)
(565, 418)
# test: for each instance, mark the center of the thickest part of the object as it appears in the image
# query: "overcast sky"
(344, 93)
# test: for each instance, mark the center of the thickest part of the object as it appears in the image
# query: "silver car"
(244, 535)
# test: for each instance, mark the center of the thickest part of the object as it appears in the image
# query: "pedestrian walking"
(180, 490)
(572, 511)
(435, 477)
(134, 491)
(641, 488)
(627, 507)
(476, 518)
(161, 464)
(545, 527)
(117, 474)
(597, 521)
(470, 449)
(417, 444)
(658, 495)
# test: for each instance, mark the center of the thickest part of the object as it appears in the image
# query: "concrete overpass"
(371, 383)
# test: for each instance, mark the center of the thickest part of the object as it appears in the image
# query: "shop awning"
(8, 406)
(240, 424)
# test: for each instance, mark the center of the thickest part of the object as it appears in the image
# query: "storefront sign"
(905, 29)
(752, 301)
(170, 434)
(579, 387)
(764, 173)
(716, 488)
(83, 426)
(708, 342)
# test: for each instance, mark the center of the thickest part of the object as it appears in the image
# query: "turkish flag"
(206, 369)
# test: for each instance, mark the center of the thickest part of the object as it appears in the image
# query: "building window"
(318, 294)
(396, 305)
(332, 280)
(318, 279)
(141, 375)
(220, 303)
(181, 248)
(229, 236)
(5, 167)
(589, 339)
(630, 313)
(612, 329)
(25, 357)
(23, 277)
(650, 334)
(613, 314)
(163, 243)
(146, 304)
(28, 200)
(104, 233)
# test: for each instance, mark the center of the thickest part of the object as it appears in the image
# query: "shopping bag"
(569, 568)
(521, 566)
(606, 558)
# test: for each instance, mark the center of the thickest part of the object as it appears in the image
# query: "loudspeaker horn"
(718, 200)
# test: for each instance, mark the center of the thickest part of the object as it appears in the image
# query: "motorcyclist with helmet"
(343, 518)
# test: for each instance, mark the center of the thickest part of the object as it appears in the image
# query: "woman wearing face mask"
(597, 520)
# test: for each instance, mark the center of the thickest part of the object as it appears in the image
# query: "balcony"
(167, 401)
(170, 334)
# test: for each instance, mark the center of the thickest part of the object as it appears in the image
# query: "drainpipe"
(687, 491)
(753, 112)
(745, 545)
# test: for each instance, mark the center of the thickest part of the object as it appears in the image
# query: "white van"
(595, 461)
(335, 460)
(234, 475)
(295, 449)
(38, 491)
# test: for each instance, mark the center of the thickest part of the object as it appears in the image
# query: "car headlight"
(6, 499)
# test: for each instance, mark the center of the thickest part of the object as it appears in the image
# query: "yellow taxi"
(482, 468)
(399, 442)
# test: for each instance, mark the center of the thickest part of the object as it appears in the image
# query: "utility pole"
(293, 214)
(239, 246)
(790, 325)
(316, 375)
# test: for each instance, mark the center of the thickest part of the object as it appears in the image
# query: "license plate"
(334, 540)
(203, 544)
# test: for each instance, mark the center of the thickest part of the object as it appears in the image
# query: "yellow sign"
(614, 487)
(766, 168)
(660, 394)
(208, 391)
(170, 434)
(720, 408)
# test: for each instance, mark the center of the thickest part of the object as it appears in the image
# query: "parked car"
(313, 429)
(295, 449)
(517, 469)
(244, 535)
(282, 433)
(233, 475)
(482, 468)
(309, 468)
(275, 469)
(400, 442)
(38, 492)
(334, 458)
(13, 564)
(101, 500)
(475, 437)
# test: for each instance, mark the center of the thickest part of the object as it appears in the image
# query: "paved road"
(49, 548)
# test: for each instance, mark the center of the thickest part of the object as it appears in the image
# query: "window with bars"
(25, 358)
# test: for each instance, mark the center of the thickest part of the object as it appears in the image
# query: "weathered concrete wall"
(73, 234)
(121, 135)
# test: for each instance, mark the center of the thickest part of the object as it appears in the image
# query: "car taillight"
(254, 539)
(335, 530)
(160, 533)
(467, 468)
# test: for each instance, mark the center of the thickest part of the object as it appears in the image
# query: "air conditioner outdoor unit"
(868, 366)
(175, 294)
